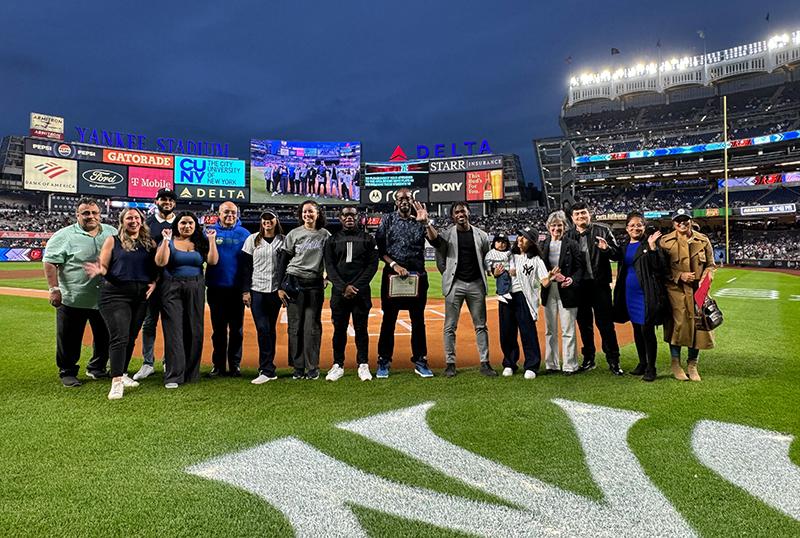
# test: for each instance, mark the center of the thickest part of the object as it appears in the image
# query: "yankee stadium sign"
(118, 139)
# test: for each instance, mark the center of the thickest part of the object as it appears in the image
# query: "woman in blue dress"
(639, 293)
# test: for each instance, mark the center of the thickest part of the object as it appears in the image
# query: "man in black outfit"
(351, 260)
(598, 246)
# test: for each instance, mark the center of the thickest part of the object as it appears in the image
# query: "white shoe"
(128, 382)
(261, 379)
(508, 372)
(530, 374)
(145, 371)
(117, 390)
(335, 373)
(363, 372)
(171, 386)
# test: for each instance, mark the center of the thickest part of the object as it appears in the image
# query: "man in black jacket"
(351, 260)
(598, 246)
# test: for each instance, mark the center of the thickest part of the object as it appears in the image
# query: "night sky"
(384, 73)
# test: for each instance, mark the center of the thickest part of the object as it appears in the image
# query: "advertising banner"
(212, 194)
(448, 187)
(146, 182)
(768, 209)
(656, 214)
(102, 179)
(25, 235)
(467, 163)
(132, 158)
(209, 172)
(50, 174)
(46, 126)
(386, 195)
(63, 150)
(611, 216)
(711, 212)
(484, 185)
(21, 254)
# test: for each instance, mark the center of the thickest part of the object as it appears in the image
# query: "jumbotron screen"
(283, 170)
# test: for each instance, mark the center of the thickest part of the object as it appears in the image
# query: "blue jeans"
(503, 283)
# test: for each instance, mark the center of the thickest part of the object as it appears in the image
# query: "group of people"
(122, 280)
(317, 179)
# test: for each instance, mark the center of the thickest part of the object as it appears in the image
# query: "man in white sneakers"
(351, 260)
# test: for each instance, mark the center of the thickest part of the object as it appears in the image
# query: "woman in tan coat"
(691, 259)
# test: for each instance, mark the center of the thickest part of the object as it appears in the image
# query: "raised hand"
(653, 239)
(211, 233)
(166, 233)
(422, 212)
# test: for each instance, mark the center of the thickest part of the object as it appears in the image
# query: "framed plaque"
(403, 287)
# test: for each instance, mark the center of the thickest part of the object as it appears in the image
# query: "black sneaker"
(97, 374)
(298, 374)
(615, 369)
(588, 364)
(551, 371)
(235, 372)
(313, 374)
(486, 370)
(70, 381)
(216, 372)
(649, 375)
(639, 370)
(450, 370)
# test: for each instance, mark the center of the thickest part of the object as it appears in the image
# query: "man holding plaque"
(460, 251)
(404, 284)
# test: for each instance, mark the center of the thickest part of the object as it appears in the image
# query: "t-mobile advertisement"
(145, 182)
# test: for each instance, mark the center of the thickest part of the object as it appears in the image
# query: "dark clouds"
(385, 73)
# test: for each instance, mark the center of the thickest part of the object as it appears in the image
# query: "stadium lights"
(790, 163)
(628, 177)
(599, 179)
(689, 173)
(717, 171)
(644, 176)
(778, 41)
(739, 168)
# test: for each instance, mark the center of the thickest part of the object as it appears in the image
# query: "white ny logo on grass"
(316, 497)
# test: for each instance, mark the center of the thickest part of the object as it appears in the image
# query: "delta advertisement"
(484, 185)
(282, 170)
(50, 174)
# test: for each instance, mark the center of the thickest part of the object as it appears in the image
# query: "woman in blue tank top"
(182, 253)
(126, 262)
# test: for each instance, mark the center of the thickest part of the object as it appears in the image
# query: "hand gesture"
(422, 212)
(602, 244)
(166, 233)
(687, 277)
(92, 269)
(211, 233)
(653, 239)
(55, 298)
(498, 269)
(350, 291)
(246, 299)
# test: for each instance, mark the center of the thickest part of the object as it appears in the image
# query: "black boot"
(649, 374)
(640, 369)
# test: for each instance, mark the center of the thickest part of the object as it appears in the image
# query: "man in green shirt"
(74, 295)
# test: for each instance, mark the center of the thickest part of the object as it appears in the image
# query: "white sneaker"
(171, 386)
(508, 372)
(335, 373)
(145, 371)
(530, 374)
(261, 379)
(128, 382)
(117, 390)
(363, 372)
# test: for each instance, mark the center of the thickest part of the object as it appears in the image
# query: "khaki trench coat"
(680, 329)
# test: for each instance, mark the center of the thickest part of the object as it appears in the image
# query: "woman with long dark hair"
(519, 315)
(260, 284)
(126, 263)
(639, 295)
(302, 289)
(182, 253)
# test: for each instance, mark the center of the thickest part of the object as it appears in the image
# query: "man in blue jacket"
(225, 294)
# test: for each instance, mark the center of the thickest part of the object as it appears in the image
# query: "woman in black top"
(126, 261)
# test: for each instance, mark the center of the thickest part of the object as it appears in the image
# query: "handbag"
(710, 315)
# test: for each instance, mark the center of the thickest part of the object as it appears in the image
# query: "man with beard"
(351, 260)
(74, 295)
(401, 245)
(598, 246)
(224, 294)
(460, 253)
(157, 222)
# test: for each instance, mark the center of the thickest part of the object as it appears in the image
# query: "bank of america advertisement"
(50, 174)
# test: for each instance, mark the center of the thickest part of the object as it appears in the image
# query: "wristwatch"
(392, 264)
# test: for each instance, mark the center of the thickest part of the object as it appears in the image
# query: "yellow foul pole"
(725, 167)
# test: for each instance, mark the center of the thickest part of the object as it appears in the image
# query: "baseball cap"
(268, 214)
(529, 233)
(166, 193)
(681, 214)
(500, 237)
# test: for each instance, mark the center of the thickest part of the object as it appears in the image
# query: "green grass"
(75, 464)
(259, 194)
(434, 280)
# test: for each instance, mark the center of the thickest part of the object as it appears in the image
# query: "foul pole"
(725, 168)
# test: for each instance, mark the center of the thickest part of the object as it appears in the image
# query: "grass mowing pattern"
(77, 464)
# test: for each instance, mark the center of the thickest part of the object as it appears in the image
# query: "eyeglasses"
(345, 215)
(682, 222)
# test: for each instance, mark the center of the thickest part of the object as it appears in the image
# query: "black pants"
(70, 326)
(150, 325)
(123, 308)
(416, 311)
(341, 309)
(515, 317)
(227, 321)
(183, 304)
(322, 188)
(595, 308)
(266, 307)
(305, 326)
(646, 345)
